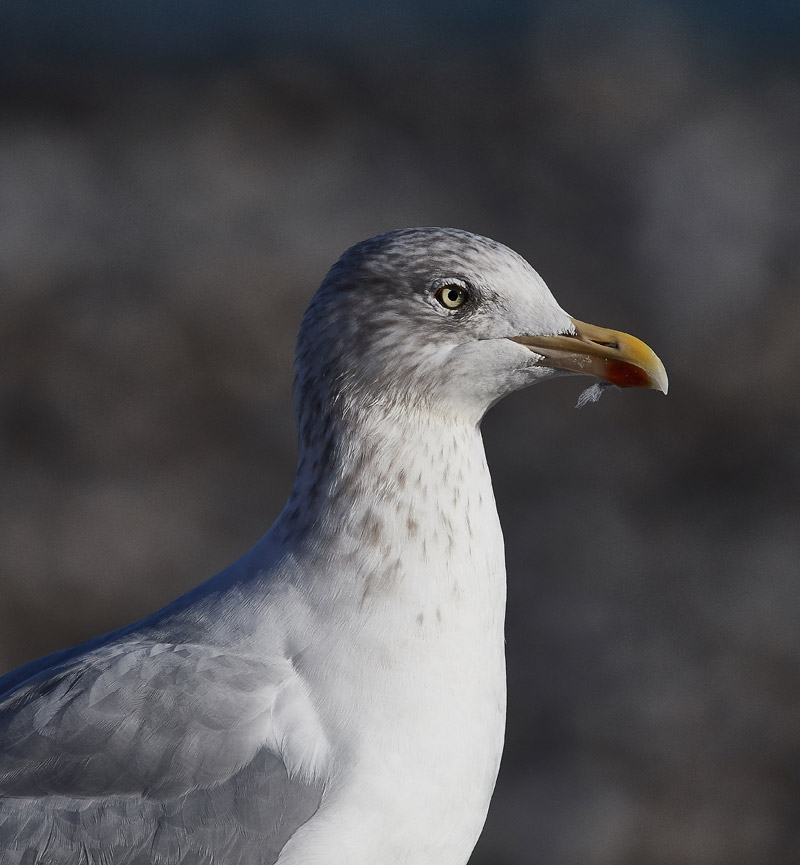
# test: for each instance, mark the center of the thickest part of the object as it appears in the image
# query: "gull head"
(444, 321)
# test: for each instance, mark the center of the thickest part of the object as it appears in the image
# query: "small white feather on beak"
(593, 393)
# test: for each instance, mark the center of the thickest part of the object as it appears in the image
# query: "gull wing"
(160, 750)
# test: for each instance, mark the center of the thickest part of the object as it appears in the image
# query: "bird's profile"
(336, 696)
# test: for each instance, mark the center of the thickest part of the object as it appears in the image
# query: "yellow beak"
(611, 355)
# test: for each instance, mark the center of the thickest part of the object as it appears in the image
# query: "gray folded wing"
(151, 752)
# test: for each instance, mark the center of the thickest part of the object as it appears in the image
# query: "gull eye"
(452, 296)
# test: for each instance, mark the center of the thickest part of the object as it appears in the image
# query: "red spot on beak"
(625, 374)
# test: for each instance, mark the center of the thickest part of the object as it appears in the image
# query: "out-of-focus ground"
(161, 232)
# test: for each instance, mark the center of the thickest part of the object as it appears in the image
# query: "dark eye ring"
(452, 296)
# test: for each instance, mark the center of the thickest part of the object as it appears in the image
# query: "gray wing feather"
(149, 752)
(245, 821)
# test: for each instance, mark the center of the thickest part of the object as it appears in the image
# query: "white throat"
(403, 509)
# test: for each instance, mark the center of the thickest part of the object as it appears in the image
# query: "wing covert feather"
(154, 752)
(245, 821)
(153, 718)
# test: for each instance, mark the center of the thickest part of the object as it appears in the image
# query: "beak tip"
(660, 379)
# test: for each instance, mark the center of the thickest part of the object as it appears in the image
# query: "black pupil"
(453, 295)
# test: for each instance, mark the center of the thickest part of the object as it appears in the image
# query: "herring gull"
(337, 696)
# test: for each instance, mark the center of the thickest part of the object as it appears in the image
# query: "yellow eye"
(452, 296)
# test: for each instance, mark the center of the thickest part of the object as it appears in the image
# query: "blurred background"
(175, 180)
